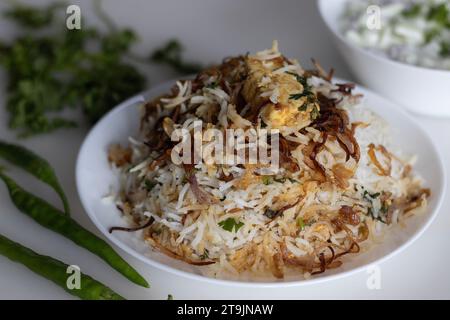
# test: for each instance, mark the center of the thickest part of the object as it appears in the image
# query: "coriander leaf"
(64, 68)
(205, 255)
(271, 214)
(367, 194)
(300, 223)
(231, 225)
(119, 42)
(296, 96)
(445, 49)
(32, 17)
(439, 14)
(431, 34)
(149, 185)
(371, 214)
(303, 107)
(413, 11)
(117, 81)
(314, 113)
(266, 180)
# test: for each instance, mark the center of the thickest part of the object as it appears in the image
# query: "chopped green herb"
(439, 14)
(205, 255)
(370, 196)
(445, 49)
(271, 214)
(371, 214)
(431, 34)
(231, 225)
(296, 96)
(266, 180)
(212, 85)
(301, 79)
(87, 68)
(300, 223)
(49, 72)
(384, 208)
(308, 94)
(263, 124)
(413, 11)
(314, 113)
(33, 18)
(149, 185)
(303, 107)
(306, 90)
(169, 297)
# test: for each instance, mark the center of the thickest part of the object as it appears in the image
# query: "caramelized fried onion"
(382, 170)
(175, 255)
(201, 196)
(145, 225)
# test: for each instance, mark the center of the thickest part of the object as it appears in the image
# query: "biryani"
(339, 184)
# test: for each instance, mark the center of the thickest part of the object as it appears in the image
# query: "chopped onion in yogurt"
(410, 31)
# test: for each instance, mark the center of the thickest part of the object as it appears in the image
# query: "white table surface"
(210, 29)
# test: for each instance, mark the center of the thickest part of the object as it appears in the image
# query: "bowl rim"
(142, 97)
(321, 7)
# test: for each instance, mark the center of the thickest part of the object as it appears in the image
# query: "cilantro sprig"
(307, 90)
(89, 69)
(308, 93)
(439, 14)
(231, 225)
(413, 11)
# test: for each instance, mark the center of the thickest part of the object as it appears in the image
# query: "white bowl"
(421, 90)
(94, 178)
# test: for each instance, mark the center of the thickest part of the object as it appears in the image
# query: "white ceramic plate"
(94, 179)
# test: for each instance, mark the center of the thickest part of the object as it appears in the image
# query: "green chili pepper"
(35, 165)
(48, 216)
(55, 271)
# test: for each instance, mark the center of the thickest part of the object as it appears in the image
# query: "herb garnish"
(413, 11)
(271, 214)
(205, 255)
(445, 49)
(367, 194)
(372, 215)
(149, 185)
(370, 197)
(231, 225)
(266, 180)
(431, 34)
(59, 68)
(314, 113)
(307, 92)
(47, 73)
(300, 223)
(440, 15)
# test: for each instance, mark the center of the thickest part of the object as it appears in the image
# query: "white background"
(211, 30)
